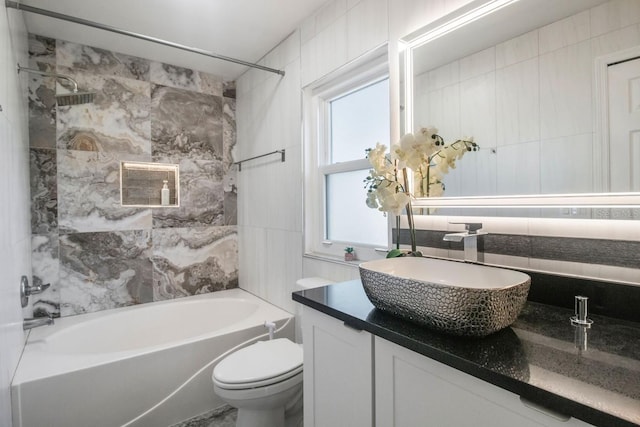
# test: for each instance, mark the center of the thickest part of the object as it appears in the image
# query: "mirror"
(525, 78)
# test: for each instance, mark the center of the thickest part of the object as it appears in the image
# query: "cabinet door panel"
(338, 373)
(414, 391)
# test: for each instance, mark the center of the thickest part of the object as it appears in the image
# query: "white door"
(624, 126)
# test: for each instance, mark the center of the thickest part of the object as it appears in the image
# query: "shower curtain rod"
(27, 8)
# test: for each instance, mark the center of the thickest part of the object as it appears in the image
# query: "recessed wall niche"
(149, 184)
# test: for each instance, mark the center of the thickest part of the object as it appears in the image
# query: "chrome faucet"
(469, 239)
(37, 321)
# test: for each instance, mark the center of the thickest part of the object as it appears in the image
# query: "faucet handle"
(471, 227)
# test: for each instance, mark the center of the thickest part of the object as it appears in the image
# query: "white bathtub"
(104, 369)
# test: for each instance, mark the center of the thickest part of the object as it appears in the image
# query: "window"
(345, 115)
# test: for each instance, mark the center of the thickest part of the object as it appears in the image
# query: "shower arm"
(56, 15)
(47, 74)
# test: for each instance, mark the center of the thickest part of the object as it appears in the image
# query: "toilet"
(264, 380)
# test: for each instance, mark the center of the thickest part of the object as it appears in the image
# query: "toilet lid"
(258, 362)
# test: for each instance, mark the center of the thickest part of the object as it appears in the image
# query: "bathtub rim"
(30, 369)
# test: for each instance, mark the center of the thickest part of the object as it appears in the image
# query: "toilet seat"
(258, 365)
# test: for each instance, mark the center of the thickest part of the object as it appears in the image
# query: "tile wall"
(15, 234)
(270, 211)
(96, 253)
(269, 117)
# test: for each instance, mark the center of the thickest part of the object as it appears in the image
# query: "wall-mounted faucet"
(469, 239)
(37, 321)
(26, 290)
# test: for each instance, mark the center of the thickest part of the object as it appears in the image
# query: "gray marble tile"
(185, 124)
(185, 78)
(231, 206)
(44, 190)
(229, 90)
(116, 121)
(229, 131)
(42, 50)
(41, 92)
(99, 271)
(224, 416)
(46, 269)
(190, 261)
(101, 62)
(229, 140)
(201, 196)
(89, 193)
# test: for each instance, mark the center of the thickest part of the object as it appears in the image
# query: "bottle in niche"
(164, 194)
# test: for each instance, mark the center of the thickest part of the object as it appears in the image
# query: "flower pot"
(349, 256)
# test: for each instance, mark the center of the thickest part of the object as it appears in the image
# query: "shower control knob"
(32, 290)
(26, 290)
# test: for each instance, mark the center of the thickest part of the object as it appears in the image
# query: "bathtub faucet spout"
(35, 322)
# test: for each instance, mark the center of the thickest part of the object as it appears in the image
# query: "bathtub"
(105, 369)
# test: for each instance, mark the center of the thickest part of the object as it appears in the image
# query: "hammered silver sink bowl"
(449, 296)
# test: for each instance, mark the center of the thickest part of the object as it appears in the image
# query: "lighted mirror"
(550, 102)
(149, 184)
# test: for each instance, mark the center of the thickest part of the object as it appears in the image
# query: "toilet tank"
(302, 284)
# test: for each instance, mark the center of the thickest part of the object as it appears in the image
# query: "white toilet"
(264, 380)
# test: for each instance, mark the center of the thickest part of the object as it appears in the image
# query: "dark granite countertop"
(537, 357)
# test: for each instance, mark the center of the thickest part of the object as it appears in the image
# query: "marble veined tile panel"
(46, 269)
(185, 124)
(44, 190)
(99, 271)
(185, 78)
(41, 92)
(190, 261)
(116, 121)
(230, 176)
(89, 193)
(201, 195)
(42, 50)
(229, 90)
(101, 62)
(229, 131)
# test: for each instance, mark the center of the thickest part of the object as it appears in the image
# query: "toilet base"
(279, 405)
(264, 417)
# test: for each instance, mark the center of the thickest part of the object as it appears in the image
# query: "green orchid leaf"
(394, 253)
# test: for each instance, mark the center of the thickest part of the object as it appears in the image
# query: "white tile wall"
(517, 49)
(477, 64)
(517, 103)
(268, 117)
(565, 91)
(613, 15)
(367, 26)
(15, 240)
(565, 32)
(554, 155)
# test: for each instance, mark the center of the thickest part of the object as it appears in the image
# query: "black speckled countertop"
(537, 357)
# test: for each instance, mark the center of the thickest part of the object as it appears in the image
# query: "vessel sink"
(449, 296)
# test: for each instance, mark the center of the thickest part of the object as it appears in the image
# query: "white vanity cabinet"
(338, 373)
(412, 390)
(355, 379)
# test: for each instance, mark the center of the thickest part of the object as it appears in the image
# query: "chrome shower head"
(75, 98)
(71, 98)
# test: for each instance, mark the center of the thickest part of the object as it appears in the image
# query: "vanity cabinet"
(413, 390)
(338, 372)
(352, 378)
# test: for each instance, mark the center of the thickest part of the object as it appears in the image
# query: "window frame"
(365, 71)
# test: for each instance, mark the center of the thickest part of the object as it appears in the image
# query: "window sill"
(340, 260)
(332, 259)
